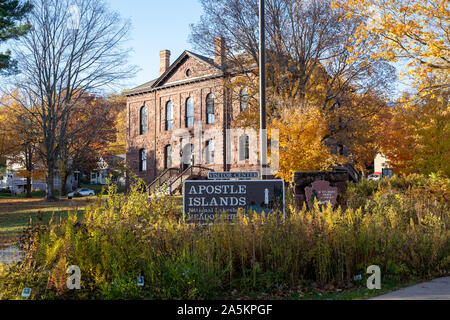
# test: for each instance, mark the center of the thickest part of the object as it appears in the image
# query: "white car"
(374, 177)
(81, 192)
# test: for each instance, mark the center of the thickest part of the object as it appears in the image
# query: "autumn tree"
(6, 140)
(417, 135)
(91, 129)
(310, 61)
(26, 145)
(307, 41)
(355, 129)
(118, 146)
(23, 142)
(415, 32)
(75, 48)
(301, 145)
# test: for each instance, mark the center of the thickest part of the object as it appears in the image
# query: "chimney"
(219, 51)
(164, 56)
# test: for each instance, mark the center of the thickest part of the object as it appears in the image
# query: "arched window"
(244, 147)
(169, 115)
(189, 112)
(243, 99)
(143, 160)
(209, 154)
(210, 116)
(168, 157)
(143, 121)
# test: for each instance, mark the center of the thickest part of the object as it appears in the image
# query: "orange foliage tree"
(92, 127)
(21, 141)
(417, 135)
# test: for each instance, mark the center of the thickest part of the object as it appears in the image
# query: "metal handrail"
(181, 175)
(159, 181)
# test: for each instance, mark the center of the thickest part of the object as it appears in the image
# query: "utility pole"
(262, 90)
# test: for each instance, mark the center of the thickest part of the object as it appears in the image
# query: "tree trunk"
(28, 195)
(50, 183)
(64, 178)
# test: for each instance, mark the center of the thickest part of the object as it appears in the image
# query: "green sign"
(203, 201)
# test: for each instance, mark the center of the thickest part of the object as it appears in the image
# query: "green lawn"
(17, 213)
(41, 194)
(34, 194)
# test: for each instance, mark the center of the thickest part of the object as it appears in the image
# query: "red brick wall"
(158, 138)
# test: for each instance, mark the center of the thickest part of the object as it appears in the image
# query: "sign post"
(205, 201)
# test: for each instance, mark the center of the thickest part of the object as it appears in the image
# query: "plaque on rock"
(321, 192)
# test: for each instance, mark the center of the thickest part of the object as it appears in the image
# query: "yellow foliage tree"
(119, 146)
(6, 142)
(22, 140)
(416, 31)
(300, 140)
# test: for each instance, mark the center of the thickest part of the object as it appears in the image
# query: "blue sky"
(159, 25)
(156, 25)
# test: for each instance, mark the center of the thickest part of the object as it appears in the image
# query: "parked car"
(81, 192)
(374, 177)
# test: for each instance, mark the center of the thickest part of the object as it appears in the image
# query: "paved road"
(437, 289)
(10, 255)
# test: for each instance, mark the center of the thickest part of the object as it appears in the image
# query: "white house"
(380, 163)
(11, 182)
(107, 168)
(17, 185)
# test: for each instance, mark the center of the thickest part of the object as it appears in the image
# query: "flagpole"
(262, 90)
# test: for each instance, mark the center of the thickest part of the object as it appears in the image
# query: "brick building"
(181, 119)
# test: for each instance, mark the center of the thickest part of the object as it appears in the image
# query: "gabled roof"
(205, 59)
(151, 85)
(142, 87)
(179, 61)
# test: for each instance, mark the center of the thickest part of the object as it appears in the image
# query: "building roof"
(120, 156)
(143, 87)
(156, 83)
(205, 59)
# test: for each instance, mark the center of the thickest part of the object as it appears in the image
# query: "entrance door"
(188, 156)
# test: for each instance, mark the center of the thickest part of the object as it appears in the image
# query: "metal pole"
(262, 89)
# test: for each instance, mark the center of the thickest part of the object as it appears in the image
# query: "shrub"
(401, 226)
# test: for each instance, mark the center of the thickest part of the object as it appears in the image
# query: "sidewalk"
(437, 289)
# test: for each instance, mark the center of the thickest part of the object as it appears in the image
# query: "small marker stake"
(26, 292)
(140, 281)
